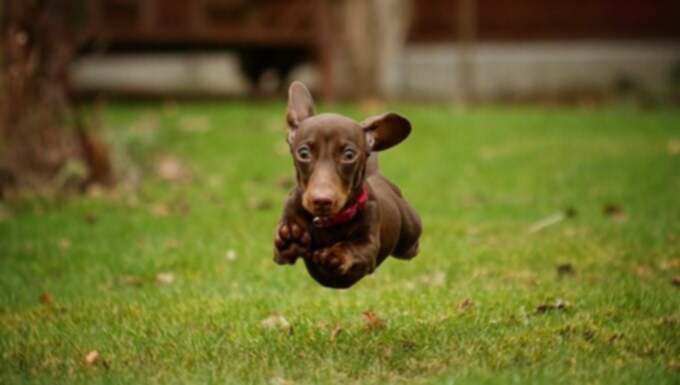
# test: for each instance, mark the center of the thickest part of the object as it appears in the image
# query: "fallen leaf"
(230, 255)
(373, 321)
(335, 332)
(615, 212)
(46, 298)
(558, 305)
(465, 305)
(670, 264)
(570, 212)
(165, 278)
(408, 346)
(674, 147)
(171, 169)
(64, 244)
(280, 381)
(92, 357)
(552, 219)
(676, 280)
(276, 321)
(438, 278)
(674, 364)
(615, 337)
(565, 269)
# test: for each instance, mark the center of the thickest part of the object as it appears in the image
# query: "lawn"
(551, 242)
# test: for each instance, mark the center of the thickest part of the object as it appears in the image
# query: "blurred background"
(57, 52)
(477, 50)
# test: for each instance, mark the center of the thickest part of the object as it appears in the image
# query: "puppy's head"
(330, 150)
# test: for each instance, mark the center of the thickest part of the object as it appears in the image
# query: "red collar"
(346, 214)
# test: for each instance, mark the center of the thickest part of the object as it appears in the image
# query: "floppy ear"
(385, 131)
(300, 107)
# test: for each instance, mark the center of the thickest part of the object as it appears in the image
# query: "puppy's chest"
(328, 236)
(325, 237)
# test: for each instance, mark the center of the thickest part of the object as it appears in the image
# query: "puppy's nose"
(323, 201)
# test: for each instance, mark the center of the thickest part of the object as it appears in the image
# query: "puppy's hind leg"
(411, 228)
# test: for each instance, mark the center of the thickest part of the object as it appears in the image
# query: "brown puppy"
(343, 218)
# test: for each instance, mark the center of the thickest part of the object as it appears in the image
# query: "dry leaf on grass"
(438, 278)
(335, 332)
(558, 305)
(165, 278)
(615, 337)
(280, 381)
(465, 305)
(46, 298)
(674, 364)
(674, 147)
(553, 219)
(230, 255)
(277, 322)
(92, 357)
(171, 169)
(373, 321)
(670, 264)
(565, 269)
(676, 280)
(64, 244)
(615, 212)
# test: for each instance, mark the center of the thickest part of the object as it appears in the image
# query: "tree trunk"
(375, 33)
(38, 132)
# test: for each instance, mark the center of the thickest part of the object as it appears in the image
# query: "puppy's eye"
(349, 155)
(304, 154)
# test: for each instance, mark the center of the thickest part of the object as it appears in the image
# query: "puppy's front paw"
(336, 259)
(291, 241)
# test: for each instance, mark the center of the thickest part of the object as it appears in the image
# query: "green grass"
(480, 178)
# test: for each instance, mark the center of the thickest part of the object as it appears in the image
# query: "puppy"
(343, 217)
